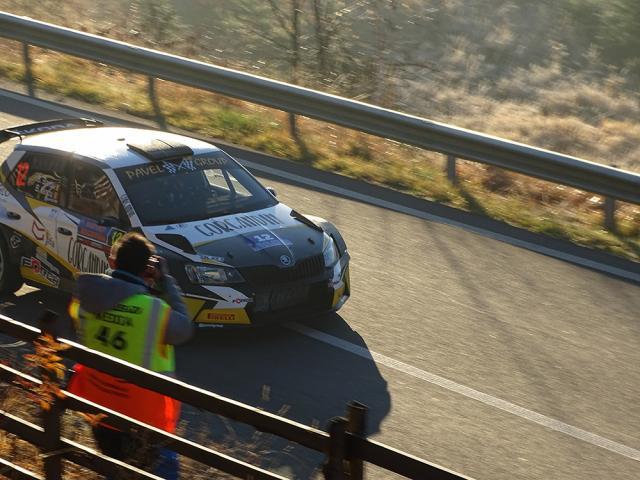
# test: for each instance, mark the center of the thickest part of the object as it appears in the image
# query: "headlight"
(330, 251)
(210, 275)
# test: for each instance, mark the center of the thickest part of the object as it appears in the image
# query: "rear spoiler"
(48, 126)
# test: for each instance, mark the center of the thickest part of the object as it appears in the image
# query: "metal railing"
(344, 446)
(454, 142)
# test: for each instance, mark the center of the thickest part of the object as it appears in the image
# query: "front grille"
(270, 274)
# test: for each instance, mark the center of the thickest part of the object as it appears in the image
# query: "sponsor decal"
(47, 128)
(176, 226)
(239, 222)
(261, 241)
(90, 233)
(15, 241)
(4, 193)
(41, 234)
(43, 269)
(232, 315)
(92, 230)
(49, 241)
(46, 186)
(38, 231)
(86, 259)
(126, 204)
(286, 260)
(186, 164)
(174, 167)
(211, 259)
(241, 301)
(143, 171)
(221, 317)
(93, 244)
(173, 227)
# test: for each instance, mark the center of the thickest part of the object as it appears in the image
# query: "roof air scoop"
(157, 150)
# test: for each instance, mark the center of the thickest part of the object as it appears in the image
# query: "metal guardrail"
(420, 132)
(345, 446)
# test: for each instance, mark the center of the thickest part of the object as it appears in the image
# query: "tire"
(10, 279)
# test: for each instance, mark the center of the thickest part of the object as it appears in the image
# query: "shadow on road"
(281, 371)
(272, 368)
(28, 307)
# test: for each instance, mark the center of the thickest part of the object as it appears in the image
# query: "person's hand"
(153, 273)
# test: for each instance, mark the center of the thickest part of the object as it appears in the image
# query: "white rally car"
(70, 188)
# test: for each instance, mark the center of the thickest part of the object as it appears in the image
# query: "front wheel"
(10, 278)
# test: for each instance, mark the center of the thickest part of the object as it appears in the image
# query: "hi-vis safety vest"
(132, 331)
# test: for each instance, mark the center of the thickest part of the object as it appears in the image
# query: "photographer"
(118, 315)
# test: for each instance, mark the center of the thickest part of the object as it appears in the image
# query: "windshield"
(192, 188)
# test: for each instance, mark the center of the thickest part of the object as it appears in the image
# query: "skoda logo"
(285, 260)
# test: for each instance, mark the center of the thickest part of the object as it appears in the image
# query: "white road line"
(382, 203)
(489, 400)
(522, 412)
(428, 216)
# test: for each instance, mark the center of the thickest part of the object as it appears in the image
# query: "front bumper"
(245, 305)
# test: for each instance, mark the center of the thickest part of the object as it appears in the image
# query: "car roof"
(109, 145)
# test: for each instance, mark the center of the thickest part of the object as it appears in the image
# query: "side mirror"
(272, 191)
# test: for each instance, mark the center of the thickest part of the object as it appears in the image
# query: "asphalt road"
(488, 359)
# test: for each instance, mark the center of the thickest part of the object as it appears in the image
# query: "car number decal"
(260, 241)
(22, 170)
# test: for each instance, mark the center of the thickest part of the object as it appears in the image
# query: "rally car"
(70, 188)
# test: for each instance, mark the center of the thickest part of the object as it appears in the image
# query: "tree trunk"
(322, 39)
(295, 60)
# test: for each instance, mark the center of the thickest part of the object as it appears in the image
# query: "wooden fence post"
(51, 418)
(334, 467)
(356, 424)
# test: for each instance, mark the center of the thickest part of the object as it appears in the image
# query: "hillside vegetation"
(560, 75)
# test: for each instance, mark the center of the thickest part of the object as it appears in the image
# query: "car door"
(92, 220)
(41, 183)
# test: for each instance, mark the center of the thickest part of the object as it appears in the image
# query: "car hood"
(270, 236)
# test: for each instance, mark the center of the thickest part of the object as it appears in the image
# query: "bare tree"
(289, 22)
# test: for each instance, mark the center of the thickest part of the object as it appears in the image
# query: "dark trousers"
(122, 446)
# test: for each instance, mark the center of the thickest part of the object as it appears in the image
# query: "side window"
(42, 177)
(91, 193)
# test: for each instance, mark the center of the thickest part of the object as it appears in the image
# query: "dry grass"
(21, 453)
(548, 122)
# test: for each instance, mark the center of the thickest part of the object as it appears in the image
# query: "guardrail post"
(356, 424)
(153, 98)
(28, 73)
(610, 214)
(334, 467)
(451, 169)
(52, 462)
